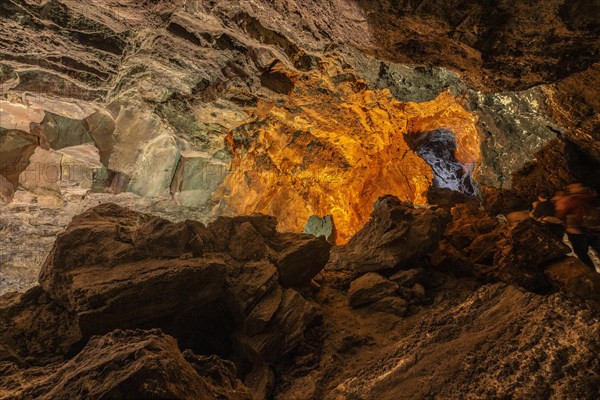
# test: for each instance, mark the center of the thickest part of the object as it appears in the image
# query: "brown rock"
(369, 288)
(409, 277)
(301, 259)
(246, 243)
(526, 248)
(129, 364)
(391, 305)
(396, 236)
(572, 276)
(283, 333)
(7, 190)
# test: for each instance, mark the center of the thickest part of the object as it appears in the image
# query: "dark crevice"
(183, 33)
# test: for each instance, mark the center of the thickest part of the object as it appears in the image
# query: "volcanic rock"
(369, 288)
(572, 276)
(302, 258)
(397, 235)
(129, 364)
(409, 277)
(118, 269)
(498, 331)
(525, 250)
(390, 305)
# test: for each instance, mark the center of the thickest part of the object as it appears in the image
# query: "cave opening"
(438, 149)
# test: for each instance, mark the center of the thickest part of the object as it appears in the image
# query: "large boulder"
(130, 365)
(113, 268)
(526, 248)
(300, 258)
(574, 277)
(397, 235)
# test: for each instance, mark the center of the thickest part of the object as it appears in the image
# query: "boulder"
(572, 276)
(397, 235)
(501, 201)
(468, 223)
(525, 249)
(246, 243)
(113, 268)
(134, 365)
(391, 305)
(301, 258)
(409, 277)
(283, 333)
(35, 329)
(370, 288)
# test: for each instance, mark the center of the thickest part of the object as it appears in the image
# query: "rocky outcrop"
(497, 331)
(215, 288)
(128, 364)
(370, 288)
(398, 235)
(574, 277)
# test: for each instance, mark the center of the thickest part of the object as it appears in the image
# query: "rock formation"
(223, 103)
(234, 309)
(159, 159)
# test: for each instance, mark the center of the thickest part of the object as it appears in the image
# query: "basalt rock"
(128, 364)
(574, 277)
(398, 235)
(498, 331)
(526, 248)
(114, 268)
(370, 288)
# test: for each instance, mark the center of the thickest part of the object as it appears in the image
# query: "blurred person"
(572, 209)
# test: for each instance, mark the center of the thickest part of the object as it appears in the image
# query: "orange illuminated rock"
(333, 147)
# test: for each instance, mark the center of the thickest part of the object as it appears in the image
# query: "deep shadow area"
(558, 164)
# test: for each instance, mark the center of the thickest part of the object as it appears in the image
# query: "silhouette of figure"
(572, 209)
(544, 212)
(544, 207)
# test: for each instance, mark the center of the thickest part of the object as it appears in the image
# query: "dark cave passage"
(438, 149)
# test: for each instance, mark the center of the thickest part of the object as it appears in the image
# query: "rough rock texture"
(113, 268)
(29, 227)
(572, 276)
(216, 290)
(370, 288)
(167, 78)
(127, 364)
(397, 235)
(500, 342)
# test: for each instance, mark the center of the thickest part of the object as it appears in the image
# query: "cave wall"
(233, 83)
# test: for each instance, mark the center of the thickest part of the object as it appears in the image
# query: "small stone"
(369, 288)
(391, 305)
(409, 277)
(419, 291)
